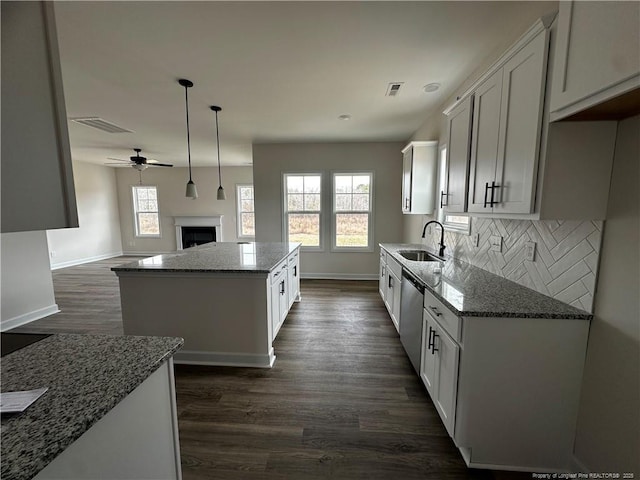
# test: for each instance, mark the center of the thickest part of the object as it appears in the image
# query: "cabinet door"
(446, 377)
(407, 158)
(283, 299)
(459, 121)
(597, 54)
(382, 279)
(484, 144)
(275, 307)
(428, 358)
(294, 277)
(523, 84)
(388, 296)
(395, 312)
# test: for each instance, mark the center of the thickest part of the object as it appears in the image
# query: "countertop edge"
(488, 314)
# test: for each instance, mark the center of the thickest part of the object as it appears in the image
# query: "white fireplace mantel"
(197, 221)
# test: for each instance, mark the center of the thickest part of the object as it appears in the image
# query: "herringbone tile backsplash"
(566, 262)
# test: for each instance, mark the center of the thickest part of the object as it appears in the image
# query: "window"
(456, 223)
(352, 208)
(145, 211)
(246, 224)
(302, 209)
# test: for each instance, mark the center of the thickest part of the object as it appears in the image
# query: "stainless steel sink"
(419, 256)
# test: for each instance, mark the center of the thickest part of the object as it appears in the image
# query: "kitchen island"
(227, 300)
(109, 411)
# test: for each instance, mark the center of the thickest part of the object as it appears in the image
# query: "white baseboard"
(80, 261)
(28, 317)
(225, 359)
(152, 254)
(339, 276)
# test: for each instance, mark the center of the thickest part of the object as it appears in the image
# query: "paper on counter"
(14, 402)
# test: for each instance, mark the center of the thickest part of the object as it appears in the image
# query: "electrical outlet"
(475, 240)
(496, 243)
(530, 251)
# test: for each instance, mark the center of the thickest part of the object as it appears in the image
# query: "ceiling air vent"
(100, 124)
(394, 88)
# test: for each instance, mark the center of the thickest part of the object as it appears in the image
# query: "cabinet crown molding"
(420, 143)
(543, 23)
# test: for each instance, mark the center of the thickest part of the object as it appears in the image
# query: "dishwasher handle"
(414, 281)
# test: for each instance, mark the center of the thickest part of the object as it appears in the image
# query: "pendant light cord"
(186, 102)
(218, 145)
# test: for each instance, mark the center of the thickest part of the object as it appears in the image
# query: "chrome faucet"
(442, 246)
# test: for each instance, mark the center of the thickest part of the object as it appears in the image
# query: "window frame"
(334, 214)
(285, 210)
(239, 211)
(136, 223)
(448, 225)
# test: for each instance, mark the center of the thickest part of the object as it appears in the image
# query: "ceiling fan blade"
(158, 164)
(119, 164)
(118, 159)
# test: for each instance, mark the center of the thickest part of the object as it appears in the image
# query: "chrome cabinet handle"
(435, 311)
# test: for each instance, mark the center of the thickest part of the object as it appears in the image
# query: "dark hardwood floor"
(342, 400)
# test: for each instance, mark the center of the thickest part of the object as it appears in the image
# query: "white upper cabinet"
(597, 55)
(419, 166)
(520, 165)
(507, 118)
(454, 199)
(37, 178)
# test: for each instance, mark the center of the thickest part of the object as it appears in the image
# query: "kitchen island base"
(138, 438)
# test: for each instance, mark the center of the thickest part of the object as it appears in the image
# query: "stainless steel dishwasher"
(411, 304)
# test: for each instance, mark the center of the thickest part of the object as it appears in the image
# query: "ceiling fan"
(139, 162)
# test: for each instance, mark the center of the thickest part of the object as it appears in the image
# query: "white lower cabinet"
(393, 290)
(293, 278)
(507, 389)
(279, 297)
(439, 368)
(382, 278)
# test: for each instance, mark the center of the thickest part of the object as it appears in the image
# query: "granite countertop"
(87, 376)
(473, 292)
(223, 257)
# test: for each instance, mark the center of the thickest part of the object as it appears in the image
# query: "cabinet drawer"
(279, 271)
(383, 256)
(445, 317)
(394, 266)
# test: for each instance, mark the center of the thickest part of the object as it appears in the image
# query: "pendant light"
(221, 194)
(192, 192)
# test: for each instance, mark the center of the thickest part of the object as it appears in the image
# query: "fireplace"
(196, 230)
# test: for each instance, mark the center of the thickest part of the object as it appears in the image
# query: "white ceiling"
(281, 71)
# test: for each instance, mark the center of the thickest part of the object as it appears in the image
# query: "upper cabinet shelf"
(597, 60)
(37, 178)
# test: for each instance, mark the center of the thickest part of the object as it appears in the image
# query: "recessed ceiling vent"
(100, 124)
(394, 89)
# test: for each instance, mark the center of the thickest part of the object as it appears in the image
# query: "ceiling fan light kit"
(191, 191)
(220, 195)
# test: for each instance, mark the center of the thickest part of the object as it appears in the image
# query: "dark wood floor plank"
(342, 400)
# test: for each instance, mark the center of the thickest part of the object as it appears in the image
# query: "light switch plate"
(496, 243)
(530, 251)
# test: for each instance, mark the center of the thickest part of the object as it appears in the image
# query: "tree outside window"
(302, 207)
(145, 209)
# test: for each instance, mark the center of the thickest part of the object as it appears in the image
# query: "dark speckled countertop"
(87, 376)
(472, 292)
(221, 257)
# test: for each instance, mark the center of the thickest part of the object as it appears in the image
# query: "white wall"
(27, 287)
(98, 235)
(608, 434)
(383, 159)
(171, 183)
